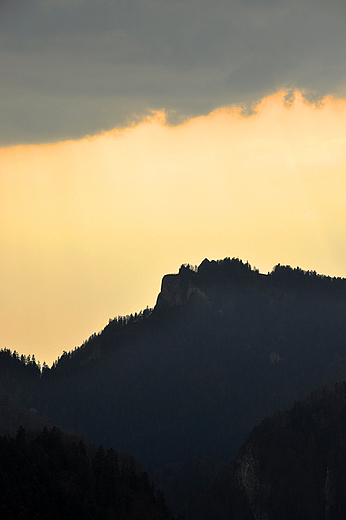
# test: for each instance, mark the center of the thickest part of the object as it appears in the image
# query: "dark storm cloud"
(76, 67)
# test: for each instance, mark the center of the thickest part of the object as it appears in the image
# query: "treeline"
(52, 475)
(15, 361)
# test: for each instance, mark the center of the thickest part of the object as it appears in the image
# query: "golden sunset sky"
(89, 227)
(133, 140)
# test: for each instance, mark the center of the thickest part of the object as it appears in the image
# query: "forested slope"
(51, 475)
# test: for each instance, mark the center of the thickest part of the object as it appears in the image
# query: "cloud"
(75, 68)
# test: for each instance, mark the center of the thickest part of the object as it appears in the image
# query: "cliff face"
(177, 289)
(171, 291)
(257, 490)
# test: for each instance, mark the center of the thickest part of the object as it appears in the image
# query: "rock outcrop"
(177, 289)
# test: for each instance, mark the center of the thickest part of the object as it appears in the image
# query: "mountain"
(181, 385)
(293, 465)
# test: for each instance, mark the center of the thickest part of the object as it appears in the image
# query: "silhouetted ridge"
(207, 283)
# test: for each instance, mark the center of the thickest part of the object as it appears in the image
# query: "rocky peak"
(177, 289)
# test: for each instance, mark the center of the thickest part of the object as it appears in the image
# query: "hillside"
(293, 465)
(181, 385)
(49, 474)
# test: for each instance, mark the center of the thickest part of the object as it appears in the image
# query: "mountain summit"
(176, 289)
(191, 282)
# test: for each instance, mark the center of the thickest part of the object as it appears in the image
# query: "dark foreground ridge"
(181, 386)
(53, 475)
(292, 466)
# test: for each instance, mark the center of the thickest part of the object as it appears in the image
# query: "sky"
(136, 136)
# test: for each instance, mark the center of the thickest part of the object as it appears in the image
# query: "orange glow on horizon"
(89, 227)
